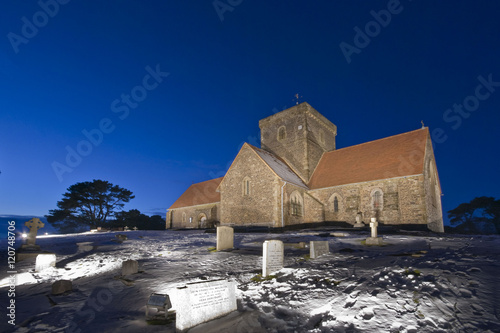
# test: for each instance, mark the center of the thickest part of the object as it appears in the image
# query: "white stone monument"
(200, 302)
(225, 238)
(374, 240)
(318, 248)
(44, 261)
(273, 254)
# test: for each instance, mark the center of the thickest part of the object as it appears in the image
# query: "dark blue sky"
(175, 88)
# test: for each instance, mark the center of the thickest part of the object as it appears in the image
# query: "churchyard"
(297, 281)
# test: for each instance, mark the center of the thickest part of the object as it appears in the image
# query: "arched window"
(335, 202)
(183, 217)
(296, 204)
(321, 137)
(281, 133)
(246, 186)
(377, 199)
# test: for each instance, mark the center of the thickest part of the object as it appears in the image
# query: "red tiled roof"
(199, 194)
(394, 156)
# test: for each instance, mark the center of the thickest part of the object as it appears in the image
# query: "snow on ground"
(413, 284)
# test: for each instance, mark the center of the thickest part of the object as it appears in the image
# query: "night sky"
(155, 95)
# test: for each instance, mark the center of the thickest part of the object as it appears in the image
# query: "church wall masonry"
(259, 205)
(192, 216)
(400, 201)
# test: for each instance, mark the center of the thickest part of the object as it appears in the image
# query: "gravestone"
(34, 224)
(161, 302)
(200, 302)
(44, 261)
(272, 256)
(135, 228)
(121, 237)
(374, 240)
(318, 248)
(61, 286)
(130, 267)
(359, 223)
(225, 238)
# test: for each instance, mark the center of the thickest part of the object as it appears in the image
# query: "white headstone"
(44, 261)
(272, 256)
(130, 267)
(318, 248)
(200, 302)
(225, 238)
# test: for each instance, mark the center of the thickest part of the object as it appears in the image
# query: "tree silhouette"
(88, 204)
(479, 210)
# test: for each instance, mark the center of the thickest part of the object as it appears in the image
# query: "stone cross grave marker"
(34, 224)
(225, 238)
(373, 226)
(374, 240)
(318, 248)
(200, 302)
(272, 256)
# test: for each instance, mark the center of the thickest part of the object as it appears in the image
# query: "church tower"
(298, 135)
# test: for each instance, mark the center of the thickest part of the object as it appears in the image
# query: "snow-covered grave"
(415, 283)
(318, 248)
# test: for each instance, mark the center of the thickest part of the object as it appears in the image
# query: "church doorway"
(202, 221)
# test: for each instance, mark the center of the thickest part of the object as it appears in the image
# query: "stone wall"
(432, 192)
(260, 206)
(192, 217)
(402, 201)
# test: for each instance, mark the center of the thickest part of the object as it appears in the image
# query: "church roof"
(394, 156)
(199, 194)
(280, 168)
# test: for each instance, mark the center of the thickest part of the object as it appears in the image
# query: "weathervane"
(297, 98)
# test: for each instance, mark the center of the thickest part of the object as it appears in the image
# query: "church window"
(296, 204)
(321, 137)
(281, 133)
(246, 186)
(336, 205)
(183, 217)
(377, 199)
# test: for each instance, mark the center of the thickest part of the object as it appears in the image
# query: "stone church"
(298, 176)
